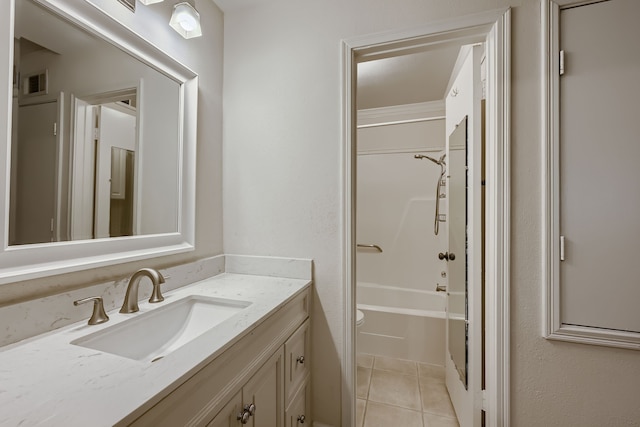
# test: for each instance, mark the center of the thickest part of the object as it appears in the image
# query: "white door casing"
(493, 28)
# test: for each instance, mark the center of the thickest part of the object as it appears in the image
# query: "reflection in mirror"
(95, 141)
(458, 278)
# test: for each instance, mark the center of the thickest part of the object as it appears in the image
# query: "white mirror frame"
(18, 263)
(554, 329)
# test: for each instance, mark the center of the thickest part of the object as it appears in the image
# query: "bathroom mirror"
(100, 154)
(457, 311)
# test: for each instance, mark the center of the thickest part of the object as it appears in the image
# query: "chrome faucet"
(130, 304)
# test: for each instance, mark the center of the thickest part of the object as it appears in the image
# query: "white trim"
(553, 328)
(25, 262)
(401, 151)
(494, 26)
(401, 122)
(348, 256)
(498, 222)
(417, 111)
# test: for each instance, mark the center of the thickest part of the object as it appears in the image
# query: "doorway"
(493, 30)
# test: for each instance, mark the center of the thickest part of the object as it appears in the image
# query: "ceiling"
(407, 79)
(229, 5)
(400, 80)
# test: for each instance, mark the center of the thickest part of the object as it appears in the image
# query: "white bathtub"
(402, 323)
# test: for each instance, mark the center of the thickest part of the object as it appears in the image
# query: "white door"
(465, 100)
(36, 174)
(599, 173)
(83, 168)
(116, 129)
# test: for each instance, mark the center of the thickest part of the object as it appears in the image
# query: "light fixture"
(186, 20)
(148, 2)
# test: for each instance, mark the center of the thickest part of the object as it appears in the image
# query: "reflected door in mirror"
(34, 178)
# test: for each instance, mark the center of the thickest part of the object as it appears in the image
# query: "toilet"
(359, 318)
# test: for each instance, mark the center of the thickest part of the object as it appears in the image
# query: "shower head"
(440, 162)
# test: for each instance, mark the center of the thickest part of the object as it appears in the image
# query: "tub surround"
(45, 379)
(402, 323)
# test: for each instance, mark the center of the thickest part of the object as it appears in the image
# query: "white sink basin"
(152, 335)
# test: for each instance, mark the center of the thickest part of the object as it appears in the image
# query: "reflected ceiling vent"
(36, 84)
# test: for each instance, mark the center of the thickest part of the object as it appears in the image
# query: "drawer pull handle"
(301, 419)
(300, 360)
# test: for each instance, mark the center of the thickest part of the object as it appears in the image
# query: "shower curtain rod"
(401, 122)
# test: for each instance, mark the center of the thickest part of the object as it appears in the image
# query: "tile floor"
(394, 392)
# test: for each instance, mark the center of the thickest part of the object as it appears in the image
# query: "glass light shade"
(148, 2)
(186, 20)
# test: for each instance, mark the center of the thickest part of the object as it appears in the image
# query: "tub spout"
(441, 288)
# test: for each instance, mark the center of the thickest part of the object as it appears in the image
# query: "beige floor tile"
(364, 360)
(360, 408)
(379, 415)
(395, 389)
(433, 372)
(431, 420)
(405, 367)
(435, 400)
(363, 380)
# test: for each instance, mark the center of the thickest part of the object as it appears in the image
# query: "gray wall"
(282, 153)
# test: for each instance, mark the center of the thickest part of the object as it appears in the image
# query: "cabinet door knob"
(301, 419)
(300, 360)
(250, 408)
(243, 417)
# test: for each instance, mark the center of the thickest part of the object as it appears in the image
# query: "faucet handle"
(98, 316)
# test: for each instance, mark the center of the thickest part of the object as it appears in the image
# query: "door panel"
(265, 390)
(599, 174)
(228, 416)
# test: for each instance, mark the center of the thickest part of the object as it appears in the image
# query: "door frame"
(493, 27)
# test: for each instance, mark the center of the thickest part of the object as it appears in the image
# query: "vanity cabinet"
(267, 367)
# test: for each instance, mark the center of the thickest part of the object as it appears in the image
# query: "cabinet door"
(599, 174)
(298, 413)
(297, 359)
(265, 390)
(228, 416)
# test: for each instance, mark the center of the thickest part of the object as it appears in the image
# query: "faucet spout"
(130, 304)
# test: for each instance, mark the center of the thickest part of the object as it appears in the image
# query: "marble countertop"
(45, 380)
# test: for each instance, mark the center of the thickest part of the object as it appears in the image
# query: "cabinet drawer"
(298, 414)
(297, 359)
